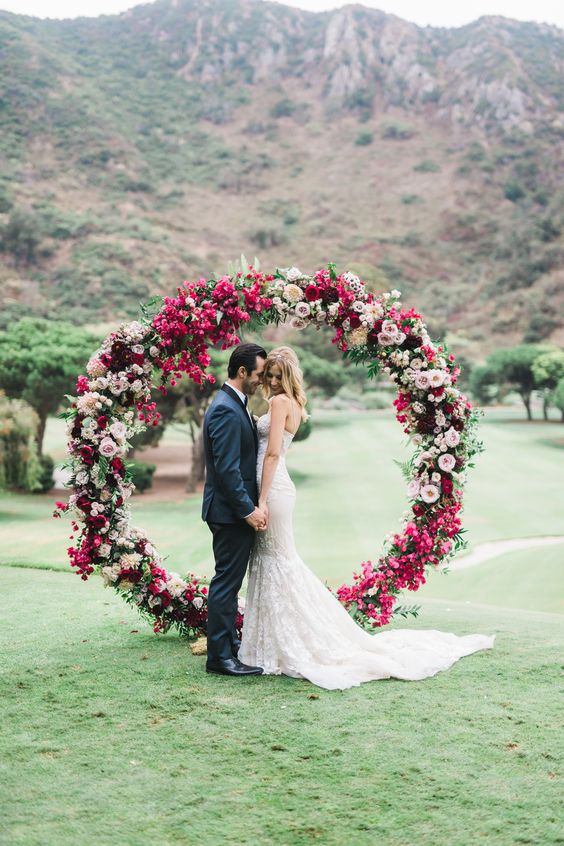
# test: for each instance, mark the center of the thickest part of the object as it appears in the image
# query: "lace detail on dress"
(295, 626)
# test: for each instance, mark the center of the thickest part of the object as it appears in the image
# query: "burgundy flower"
(312, 293)
(86, 453)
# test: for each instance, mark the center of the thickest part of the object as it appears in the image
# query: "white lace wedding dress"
(296, 627)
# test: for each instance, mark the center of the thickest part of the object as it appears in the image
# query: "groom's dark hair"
(245, 355)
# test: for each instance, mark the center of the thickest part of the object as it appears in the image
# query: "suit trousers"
(232, 545)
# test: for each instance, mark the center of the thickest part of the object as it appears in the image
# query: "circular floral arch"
(114, 402)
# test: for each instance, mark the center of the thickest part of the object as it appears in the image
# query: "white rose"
(429, 493)
(436, 378)
(293, 273)
(118, 431)
(293, 293)
(197, 602)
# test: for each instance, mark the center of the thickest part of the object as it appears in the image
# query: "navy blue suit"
(230, 495)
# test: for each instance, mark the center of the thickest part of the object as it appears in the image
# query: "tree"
(20, 237)
(548, 370)
(514, 367)
(484, 384)
(558, 396)
(39, 363)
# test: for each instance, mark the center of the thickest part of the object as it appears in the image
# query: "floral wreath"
(114, 402)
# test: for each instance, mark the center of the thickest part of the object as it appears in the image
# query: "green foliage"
(20, 237)
(304, 431)
(411, 199)
(427, 166)
(557, 396)
(40, 361)
(512, 366)
(364, 138)
(46, 480)
(397, 131)
(268, 236)
(283, 108)
(19, 463)
(141, 475)
(548, 368)
(513, 190)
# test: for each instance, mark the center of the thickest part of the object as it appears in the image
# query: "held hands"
(258, 519)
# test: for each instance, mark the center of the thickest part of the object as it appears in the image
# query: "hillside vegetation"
(140, 149)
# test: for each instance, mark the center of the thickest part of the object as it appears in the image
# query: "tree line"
(40, 361)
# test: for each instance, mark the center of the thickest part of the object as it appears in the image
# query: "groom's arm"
(223, 430)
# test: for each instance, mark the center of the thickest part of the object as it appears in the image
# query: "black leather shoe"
(231, 667)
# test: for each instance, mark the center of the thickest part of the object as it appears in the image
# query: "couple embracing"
(293, 624)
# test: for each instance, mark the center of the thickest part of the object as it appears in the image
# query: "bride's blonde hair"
(292, 377)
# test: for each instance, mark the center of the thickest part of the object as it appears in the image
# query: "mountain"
(141, 149)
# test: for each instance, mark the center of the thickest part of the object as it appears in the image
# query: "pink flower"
(429, 493)
(413, 489)
(446, 462)
(421, 380)
(108, 448)
(452, 437)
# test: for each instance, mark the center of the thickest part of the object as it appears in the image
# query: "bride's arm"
(279, 408)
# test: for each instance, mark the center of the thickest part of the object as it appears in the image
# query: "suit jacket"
(230, 447)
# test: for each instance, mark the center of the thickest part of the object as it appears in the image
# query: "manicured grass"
(350, 494)
(527, 578)
(113, 736)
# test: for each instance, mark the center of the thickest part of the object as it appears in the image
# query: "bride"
(293, 623)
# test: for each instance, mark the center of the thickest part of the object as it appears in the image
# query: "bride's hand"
(264, 508)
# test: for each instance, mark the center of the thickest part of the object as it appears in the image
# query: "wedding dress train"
(296, 627)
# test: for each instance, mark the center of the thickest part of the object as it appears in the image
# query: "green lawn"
(113, 736)
(350, 494)
(528, 578)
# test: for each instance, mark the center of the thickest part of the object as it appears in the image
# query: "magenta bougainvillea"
(113, 402)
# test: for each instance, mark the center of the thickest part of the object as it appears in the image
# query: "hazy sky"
(433, 12)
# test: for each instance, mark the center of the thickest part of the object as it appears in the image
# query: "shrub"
(375, 400)
(20, 237)
(410, 199)
(513, 190)
(397, 131)
(142, 475)
(283, 108)
(47, 467)
(19, 462)
(304, 431)
(427, 166)
(364, 138)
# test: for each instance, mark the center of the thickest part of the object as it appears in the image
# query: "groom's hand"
(257, 520)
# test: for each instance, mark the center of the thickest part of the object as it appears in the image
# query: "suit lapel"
(241, 405)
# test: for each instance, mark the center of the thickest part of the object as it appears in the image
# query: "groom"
(230, 503)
